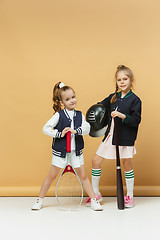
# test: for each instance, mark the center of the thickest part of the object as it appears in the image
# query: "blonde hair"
(128, 72)
(57, 96)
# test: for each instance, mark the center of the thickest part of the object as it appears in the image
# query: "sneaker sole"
(97, 210)
(36, 209)
(88, 205)
(127, 206)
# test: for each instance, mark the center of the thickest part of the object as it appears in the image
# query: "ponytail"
(114, 97)
(56, 98)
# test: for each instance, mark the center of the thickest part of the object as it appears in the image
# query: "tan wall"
(80, 43)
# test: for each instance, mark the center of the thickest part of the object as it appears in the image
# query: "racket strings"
(69, 191)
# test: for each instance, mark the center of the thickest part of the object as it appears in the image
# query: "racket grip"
(68, 144)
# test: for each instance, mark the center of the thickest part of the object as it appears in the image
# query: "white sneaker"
(38, 204)
(95, 205)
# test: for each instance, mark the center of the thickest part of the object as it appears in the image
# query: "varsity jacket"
(57, 123)
(130, 105)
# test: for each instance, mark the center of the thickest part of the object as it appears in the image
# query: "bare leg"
(97, 161)
(127, 164)
(96, 173)
(48, 180)
(85, 181)
(95, 205)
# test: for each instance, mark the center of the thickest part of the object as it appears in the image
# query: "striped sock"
(96, 174)
(129, 176)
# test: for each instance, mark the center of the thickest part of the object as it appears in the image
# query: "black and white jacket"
(58, 122)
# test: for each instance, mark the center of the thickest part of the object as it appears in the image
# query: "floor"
(17, 221)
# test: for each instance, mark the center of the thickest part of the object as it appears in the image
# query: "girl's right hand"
(65, 130)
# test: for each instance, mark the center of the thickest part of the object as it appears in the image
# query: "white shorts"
(71, 158)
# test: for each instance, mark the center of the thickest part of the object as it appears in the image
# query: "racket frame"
(72, 170)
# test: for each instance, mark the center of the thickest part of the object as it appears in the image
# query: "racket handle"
(68, 142)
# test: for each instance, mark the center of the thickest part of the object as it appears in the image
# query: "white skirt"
(71, 158)
(108, 151)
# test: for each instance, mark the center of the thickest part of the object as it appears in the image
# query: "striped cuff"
(126, 119)
(96, 172)
(79, 131)
(58, 135)
(129, 175)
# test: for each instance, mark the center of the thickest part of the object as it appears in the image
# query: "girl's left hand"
(72, 131)
(118, 114)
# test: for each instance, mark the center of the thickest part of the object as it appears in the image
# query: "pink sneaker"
(129, 201)
(98, 197)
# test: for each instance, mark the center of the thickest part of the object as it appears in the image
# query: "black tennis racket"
(69, 189)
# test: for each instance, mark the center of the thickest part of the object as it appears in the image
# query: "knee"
(95, 162)
(83, 176)
(51, 177)
(127, 164)
(124, 164)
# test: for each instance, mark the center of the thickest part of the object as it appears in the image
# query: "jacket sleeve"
(48, 128)
(85, 127)
(134, 119)
(106, 102)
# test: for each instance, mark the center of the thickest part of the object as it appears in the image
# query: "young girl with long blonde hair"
(126, 107)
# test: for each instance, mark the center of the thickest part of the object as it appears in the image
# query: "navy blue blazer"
(130, 105)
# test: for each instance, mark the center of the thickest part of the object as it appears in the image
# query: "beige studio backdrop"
(80, 43)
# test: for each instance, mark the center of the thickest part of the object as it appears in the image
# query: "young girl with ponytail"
(65, 119)
(126, 107)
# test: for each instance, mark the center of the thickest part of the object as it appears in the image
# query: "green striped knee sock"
(96, 173)
(129, 176)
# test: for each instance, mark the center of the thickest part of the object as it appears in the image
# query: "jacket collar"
(127, 95)
(67, 115)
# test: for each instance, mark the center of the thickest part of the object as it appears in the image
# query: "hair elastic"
(61, 85)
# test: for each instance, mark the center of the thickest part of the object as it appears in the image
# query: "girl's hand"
(65, 130)
(118, 114)
(73, 131)
(68, 129)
